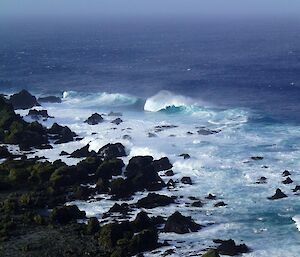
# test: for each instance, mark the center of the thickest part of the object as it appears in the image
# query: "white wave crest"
(164, 99)
(99, 99)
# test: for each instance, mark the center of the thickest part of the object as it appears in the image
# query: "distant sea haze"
(248, 64)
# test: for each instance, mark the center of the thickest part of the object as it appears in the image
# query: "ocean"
(226, 90)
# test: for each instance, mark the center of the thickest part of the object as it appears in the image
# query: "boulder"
(169, 173)
(109, 168)
(111, 151)
(162, 164)
(296, 189)
(180, 224)
(278, 195)
(62, 134)
(66, 214)
(63, 153)
(153, 200)
(146, 240)
(229, 247)
(185, 156)
(142, 174)
(94, 119)
(257, 158)
(123, 208)
(49, 99)
(23, 100)
(121, 188)
(142, 221)
(197, 204)
(211, 197)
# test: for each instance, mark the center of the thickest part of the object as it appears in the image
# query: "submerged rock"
(94, 119)
(211, 197)
(185, 156)
(278, 195)
(153, 200)
(229, 247)
(117, 121)
(286, 173)
(220, 204)
(23, 100)
(49, 99)
(257, 158)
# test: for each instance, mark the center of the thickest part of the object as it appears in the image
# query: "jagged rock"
(123, 208)
(211, 197)
(37, 114)
(180, 224)
(110, 151)
(66, 214)
(109, 168)
(286, 173)
(206, 132)
(83, 152)
(49, 99)
(94, 119)
(142, 221)
(261, 180)
(296, 189)
(171, 184)
(140, 172)
(62, 134)
(288, 180)
(211, 253)
(162, 164)
(186, 180)
(23, 100)
(197, 204)
(121, 188)
(220, 204)
(63, 153)
(229, 247)
(117, 121)
(278, 195)
(185, 156)
(153, 200)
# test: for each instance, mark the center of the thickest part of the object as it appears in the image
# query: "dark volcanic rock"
(169, 173)
(123, 208)
(153, 200)
(286, 173)
(63, 153)
(23, 100)
(206, 132)
(180, 224)
(4, 153)
(220, 204)
(278, 195)
(162, 164)
(62, 134)
(288, 180)
(109, 168)
(257, 158)
(262, 180)
(185, 156)
(211, 253)
(142, 221)
(117, 121)
(49, 99)
(121, 188)
(211, 197)
(66, 214)
(296, 189)
(38, 114)
(197, 204)
(82, 152)
(229, 247)
(142, 175)
(186, 180)
(110, 151)
(94, 119)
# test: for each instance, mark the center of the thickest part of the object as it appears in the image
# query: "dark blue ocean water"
(236, 63)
